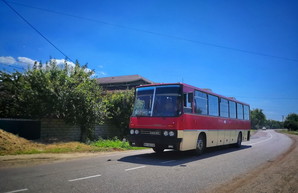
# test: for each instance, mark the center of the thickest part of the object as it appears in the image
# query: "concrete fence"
(58, 130)
(26, 128)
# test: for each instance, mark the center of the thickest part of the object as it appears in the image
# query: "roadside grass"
(290, 132)
(11, 144)
(115, 144)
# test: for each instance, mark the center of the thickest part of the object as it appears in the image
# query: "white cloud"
(61, 62)
(7, 60)
(99, 74)
(102, 73)
(25, 60)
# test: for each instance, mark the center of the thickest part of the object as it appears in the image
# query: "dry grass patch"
(11, 144)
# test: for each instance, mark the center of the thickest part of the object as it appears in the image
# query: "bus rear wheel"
(239, 140)
(158, 149)
(201, 145)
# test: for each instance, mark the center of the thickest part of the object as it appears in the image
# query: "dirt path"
(279, 175)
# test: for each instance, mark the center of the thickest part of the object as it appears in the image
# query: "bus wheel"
(239, 140)
(201, 145)
(158, 149)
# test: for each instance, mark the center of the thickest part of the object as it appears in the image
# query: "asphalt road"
(145, 171)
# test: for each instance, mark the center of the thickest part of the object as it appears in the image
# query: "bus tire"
(239, 140)
(201, 145)
(158, 149)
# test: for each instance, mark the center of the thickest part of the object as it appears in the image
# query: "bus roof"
(208, 91)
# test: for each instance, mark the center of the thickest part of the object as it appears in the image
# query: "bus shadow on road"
(176, 158)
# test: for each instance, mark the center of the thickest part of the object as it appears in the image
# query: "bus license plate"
(149, 144)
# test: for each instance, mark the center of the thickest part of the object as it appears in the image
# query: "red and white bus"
(182, 117)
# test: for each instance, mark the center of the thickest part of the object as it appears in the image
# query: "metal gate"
(26, 128)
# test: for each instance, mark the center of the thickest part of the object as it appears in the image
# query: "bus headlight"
(132, 131)
(137, 132)
(171, 133)
(165, 133)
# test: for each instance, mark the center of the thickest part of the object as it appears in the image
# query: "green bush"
(291, 122)
(113, 144)
(118, 107)
(51, 91)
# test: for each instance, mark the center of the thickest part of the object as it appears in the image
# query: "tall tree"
(258, 118)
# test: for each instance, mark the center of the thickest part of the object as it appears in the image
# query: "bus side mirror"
(190, 97)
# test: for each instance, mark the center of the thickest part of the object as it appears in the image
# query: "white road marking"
(168, 161)
(262, 141)
(84, 178)
(135, 168)
(21, 190)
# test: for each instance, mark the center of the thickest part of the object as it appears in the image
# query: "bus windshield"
(158, 101)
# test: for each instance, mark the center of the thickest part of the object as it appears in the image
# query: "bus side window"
(187, 102)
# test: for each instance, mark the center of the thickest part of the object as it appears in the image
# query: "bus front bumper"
(155, 141)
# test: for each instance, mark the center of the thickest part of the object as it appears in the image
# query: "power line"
(36, 30)
(269, 98)
(161, 34)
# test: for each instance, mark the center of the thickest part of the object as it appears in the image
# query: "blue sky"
(246, 49)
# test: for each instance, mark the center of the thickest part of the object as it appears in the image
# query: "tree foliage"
(10, 86)
(258, 121)
(118, 106)
(291, 122)
(272, 124)
(258, 118)
(52, 91)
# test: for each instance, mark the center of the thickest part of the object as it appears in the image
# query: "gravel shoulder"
(279, 175)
